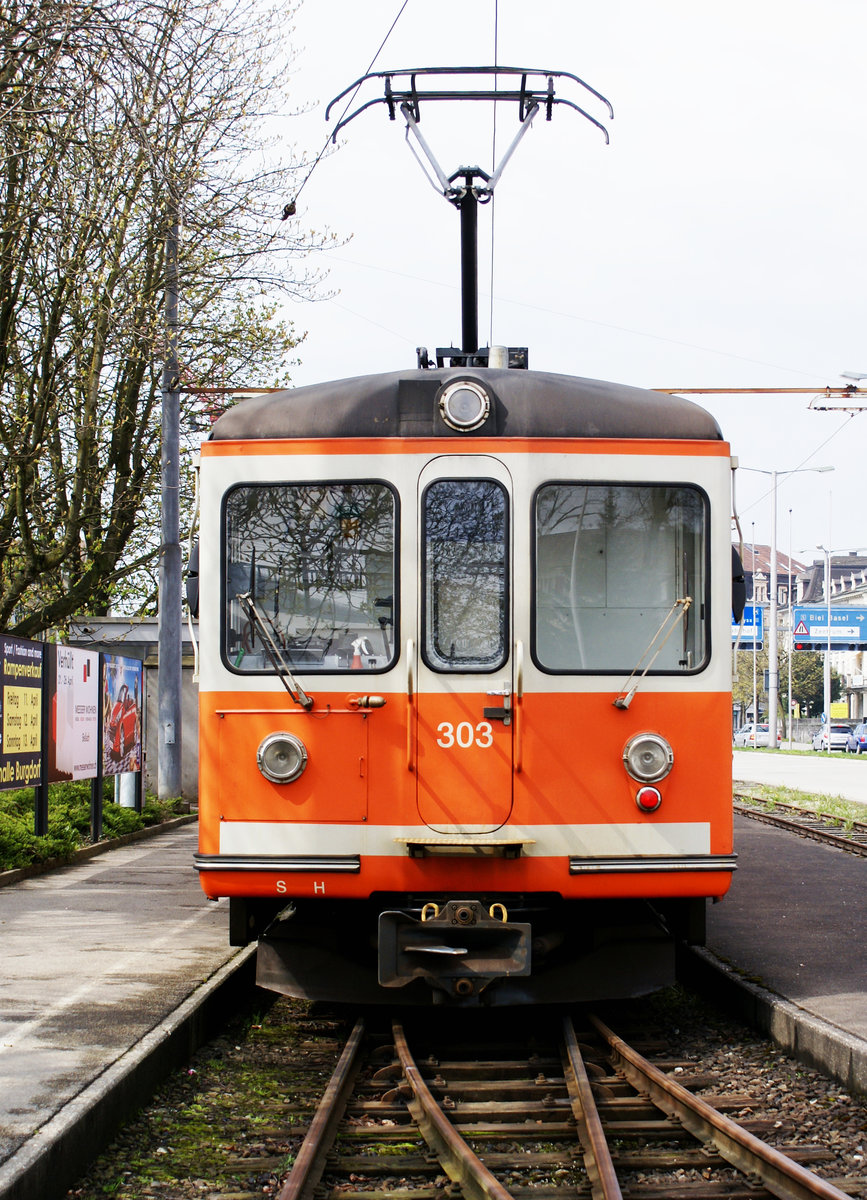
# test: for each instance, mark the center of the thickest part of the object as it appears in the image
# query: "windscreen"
(318, 562)
(615, 565)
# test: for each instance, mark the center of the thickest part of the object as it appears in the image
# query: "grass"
(68, 822)
(802, 753)
(768, 795)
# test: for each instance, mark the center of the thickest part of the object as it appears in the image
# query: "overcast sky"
(718, 241)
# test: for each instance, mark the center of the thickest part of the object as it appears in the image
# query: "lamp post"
(773, 644)
(789, 710)
(826, 680)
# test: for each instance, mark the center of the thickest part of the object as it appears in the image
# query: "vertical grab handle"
(410, 696)
(518, 707)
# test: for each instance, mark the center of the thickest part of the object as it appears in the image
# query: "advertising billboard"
(121, 714)
(72, 694)
(20, 713)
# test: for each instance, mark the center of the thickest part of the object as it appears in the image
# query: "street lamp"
(773, 665)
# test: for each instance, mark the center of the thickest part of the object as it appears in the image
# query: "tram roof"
(525, 404)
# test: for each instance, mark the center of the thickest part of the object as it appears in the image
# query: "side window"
(614, 567)
(465, 566)
(318, 561)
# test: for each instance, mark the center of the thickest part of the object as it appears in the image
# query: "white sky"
(718, 241)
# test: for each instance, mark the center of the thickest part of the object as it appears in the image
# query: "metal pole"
(469, 206)
(169, 667)
(827, 673)
(773, 664)
(791, 630)
(755, 634)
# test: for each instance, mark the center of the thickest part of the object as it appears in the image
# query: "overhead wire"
(290, 208)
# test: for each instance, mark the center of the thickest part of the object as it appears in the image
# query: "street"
(843, 775)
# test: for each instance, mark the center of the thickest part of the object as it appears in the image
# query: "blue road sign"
(848, 625)
(752, 628)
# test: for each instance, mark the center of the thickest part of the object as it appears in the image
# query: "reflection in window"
(465, 561)
(318, 561)
(611, 561)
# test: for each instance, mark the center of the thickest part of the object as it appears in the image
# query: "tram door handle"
(501, 712)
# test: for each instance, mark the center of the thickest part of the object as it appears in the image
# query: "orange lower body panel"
(351, 825)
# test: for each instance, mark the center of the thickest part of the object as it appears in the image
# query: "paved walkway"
(94, 957)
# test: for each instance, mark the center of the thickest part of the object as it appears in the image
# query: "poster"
(20, 713)
(121, 715)
(72, 695)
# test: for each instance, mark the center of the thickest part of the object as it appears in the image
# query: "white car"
(755, 735)
(839, 737)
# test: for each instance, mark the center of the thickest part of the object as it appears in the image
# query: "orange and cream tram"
(465, 702)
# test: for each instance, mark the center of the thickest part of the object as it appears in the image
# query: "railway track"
(822, 827)
(578, 1114)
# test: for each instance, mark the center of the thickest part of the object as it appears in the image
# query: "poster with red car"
(121, 714)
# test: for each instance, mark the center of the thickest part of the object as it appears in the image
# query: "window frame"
(268, 671)
(704, 600)
(502, 661)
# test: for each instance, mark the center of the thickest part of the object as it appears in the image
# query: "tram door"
(462, 748)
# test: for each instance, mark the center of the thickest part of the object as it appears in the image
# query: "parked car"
(755, 735)
(839, 737)
(856, 742)
(121, 734)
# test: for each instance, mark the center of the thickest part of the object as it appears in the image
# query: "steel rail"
(823, 834)
(459, 1162)
(779, 1175)
(310, 1161)
(604, 1184)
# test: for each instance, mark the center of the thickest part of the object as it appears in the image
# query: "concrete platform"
(791, 936)
(96, 956)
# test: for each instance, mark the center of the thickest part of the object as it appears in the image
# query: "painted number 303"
(464, 734)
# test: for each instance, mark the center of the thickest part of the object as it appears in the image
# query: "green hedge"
(68, 821)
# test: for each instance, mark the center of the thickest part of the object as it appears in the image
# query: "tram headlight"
(464, 405)
(281, 757)
(648, 757)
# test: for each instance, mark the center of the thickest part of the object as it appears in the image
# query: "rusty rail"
(604, 1184)
(308, 1166)
(458, 1161)
(779, 1175)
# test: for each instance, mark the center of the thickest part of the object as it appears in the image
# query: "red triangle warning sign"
(801, 629)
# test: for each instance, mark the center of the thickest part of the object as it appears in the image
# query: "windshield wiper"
(676, 613)
(268, 634)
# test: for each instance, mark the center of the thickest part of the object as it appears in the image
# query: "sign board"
(848, 625)
(121, 715)
(73, 699)
(751, 629)
(20, 713)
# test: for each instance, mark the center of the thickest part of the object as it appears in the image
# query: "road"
(842, 775)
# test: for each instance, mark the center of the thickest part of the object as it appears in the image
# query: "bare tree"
(114, 116)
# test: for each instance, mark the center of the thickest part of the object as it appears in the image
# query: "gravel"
(229, 1125)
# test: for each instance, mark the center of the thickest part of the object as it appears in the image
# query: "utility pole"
(169, 669)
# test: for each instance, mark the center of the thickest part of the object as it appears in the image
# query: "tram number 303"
(464, 735)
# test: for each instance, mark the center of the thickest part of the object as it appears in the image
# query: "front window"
(465, 570)
(614, 565)
(318, 562)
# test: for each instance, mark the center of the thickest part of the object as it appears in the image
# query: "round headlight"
(281, 757)
(648, 757)
(464, 405)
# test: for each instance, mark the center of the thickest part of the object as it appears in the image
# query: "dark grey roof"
(525, 404)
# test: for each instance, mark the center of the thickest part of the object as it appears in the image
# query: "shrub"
(68, 821)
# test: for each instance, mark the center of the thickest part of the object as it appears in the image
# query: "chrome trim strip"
(346, 863)
(657, 863)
